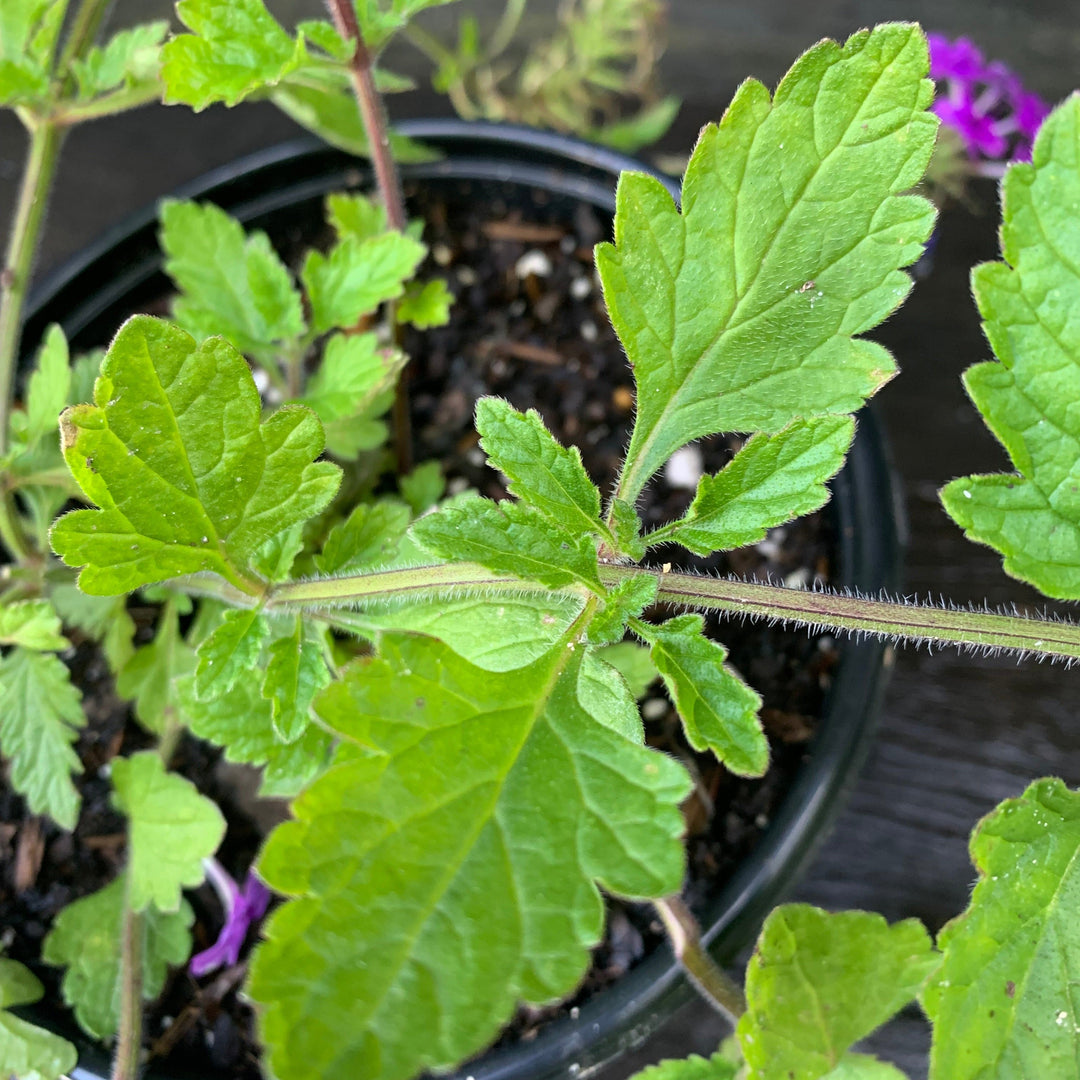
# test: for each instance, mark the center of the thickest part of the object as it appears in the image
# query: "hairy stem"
(709, 978)
(84, 29)
(129, 1036)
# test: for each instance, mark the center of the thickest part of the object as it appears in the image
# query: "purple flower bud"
(242, 909)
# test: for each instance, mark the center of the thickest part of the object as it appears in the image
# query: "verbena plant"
(454, 815)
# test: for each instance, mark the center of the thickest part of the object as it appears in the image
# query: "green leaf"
(230, 283)
(426, 304)
(47, 389)
(368, 537)
(626, 525)
(187, 476)
(625, 601)
(85, 939)
(718, 710)
(357, 276)
(321, 34)
(423, 487)
(521, 902)
(28, 1052)
(295, 673)
(230, 651)
(237, 48)
(130, 57)
(355, 215)
(510, 538)
(241, 721)
(379, 20)
(691, 1068)
(40, 720)
(739, 313)
(605, 696)
(863, 1067)
(274, 559)
(634, 662)
(542, 473)
(171, 829)
(33, 624)
(643, 129)
(1004, 1000)
(1032, 517)
(817, 983)
(771, 480)
(28, 33)
(149, 677)
(103, 618)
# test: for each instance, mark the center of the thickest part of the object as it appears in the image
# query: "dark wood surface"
(957, 733)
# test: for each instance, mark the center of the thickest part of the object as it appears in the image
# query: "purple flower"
(959, 59)
(242, 908)
(978, 130)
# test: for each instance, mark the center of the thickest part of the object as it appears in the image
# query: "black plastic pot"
(91, 294)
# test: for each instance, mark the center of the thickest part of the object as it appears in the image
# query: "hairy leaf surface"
(1004, 1002)
(295, 673)
(740, 312)
(368, 537)
(129, 58)
(1029, 305)
(230, 651)
(817, 983)
(461, 762)
(187, 475)
(623, 602)
(27, 1051)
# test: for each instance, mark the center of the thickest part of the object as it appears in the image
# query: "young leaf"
(425, 304)
(40, 720)
(230, 651)
(634, 662)
(771, 480)
(295, 673)
(171, 829)
(625, 601)
(379, 21)
(130, 57)
(817, 983)
(423, 487)
(1033, 518)
(236, 48)
(230, 283)
(85, 939)
(604, 695)
(521, 901)
(187, 476)
(33, 624)
(357, 276)
(626, 526)
(510, 538)
(355, 215)
(47, 389)
(1003, 1002)
(739, 313)
(28, 33)
(369, 536)
(274, 559)
(691, 1068)
(542, 473)
(28, 1052)
(718, 710)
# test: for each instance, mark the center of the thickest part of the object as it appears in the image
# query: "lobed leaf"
(425, 304)
(85, 939)
(355, 215)
(187, 475)
(1029, 304)
(718, 710)
(171, 829)
(40, 720)
(231, 650)
(130, 57)
(1004, 1001)
(26, 1051)
(368, 537)
(817, 983)
(739, 313)
(33, 624)
(405, 942)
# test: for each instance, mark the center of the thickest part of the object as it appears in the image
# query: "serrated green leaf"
(187, 475)
(230, 283)
(625, 601)
(237, 47)
(47, 388)
(40, 719)
(103, 618)
(425, 304)
(295, 673)
(864, 1067)
(510, 538)
(171, 829)
(149, 676)
(230, 651)
(626, 526)
(542, 473)
(771, 480)
(379, 20)
(691, 1068)
(28, 1052)
(241, 722)
(423, 487)
(130, 57)
(33, 624)
(275, 558)
(355, 215)
(85, 939)
(321, 34)
(1032, 519)
(28, 32)
(368, 537)
(634, 662)
(357, 276)
(522, 902)
(604, 694)
(739, 313)
(1004, 1000)
(817, 983)
(718, 710)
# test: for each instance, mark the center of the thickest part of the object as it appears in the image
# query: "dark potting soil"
(529, 325)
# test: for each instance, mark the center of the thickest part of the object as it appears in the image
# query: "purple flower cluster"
(242, 908)
(985, 103)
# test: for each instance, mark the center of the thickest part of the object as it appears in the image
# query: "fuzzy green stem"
(84, 28)
(704, 972)
(129, 1036)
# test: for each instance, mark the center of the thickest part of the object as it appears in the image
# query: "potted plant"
(416, 722)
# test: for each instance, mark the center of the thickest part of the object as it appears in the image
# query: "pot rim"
(865, 504)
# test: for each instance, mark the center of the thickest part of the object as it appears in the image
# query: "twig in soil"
(522, 231)
(29, 852)
(519, 350)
